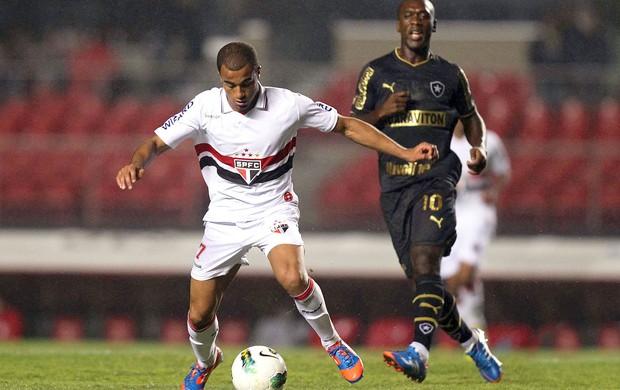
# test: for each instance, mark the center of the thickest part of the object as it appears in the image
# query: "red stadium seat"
(11, 324)
(560, 336)
(511, 336)
(156, 113)
(389, 332)
(348, 328)
(608, 337)
(574, 120)
(233, 331)
(84, 113)
(167, 195)
(123, 117)
(13, 115)
(608, 120)
(500, 116)
(120, 328)
(174, 331)
(355, 201)
(537, 122)
(68, 328)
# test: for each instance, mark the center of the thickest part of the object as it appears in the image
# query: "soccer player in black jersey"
(413, 95)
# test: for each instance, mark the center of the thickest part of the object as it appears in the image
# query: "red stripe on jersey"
(306, 293)
(265, 162)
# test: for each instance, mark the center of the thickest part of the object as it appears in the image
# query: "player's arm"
(394, 104)
(476, 134)
(367, 135)
(142, 157)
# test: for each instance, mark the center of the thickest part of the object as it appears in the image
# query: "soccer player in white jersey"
(245, 139)
(476, 217)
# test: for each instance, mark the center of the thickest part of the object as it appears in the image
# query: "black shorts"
(421, 214)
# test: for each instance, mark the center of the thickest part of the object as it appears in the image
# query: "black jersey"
(438, 95)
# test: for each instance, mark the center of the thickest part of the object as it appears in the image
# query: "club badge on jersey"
(279, 227)
(247, 167)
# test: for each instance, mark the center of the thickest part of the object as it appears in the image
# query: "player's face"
(415, 24)
(241, 87)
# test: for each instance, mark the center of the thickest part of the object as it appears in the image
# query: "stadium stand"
(386, 332)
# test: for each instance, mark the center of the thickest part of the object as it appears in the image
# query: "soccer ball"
(258, 368)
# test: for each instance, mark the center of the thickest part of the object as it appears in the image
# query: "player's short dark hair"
(236, 55)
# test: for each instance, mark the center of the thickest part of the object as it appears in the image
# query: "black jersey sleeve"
(365, 96)
(463, 100)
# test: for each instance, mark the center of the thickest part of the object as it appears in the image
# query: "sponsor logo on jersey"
(324, 106)
(362, 89)
(288, 196)
(176, 117)
(437, 221)
(248, 168)
(437, 88)
(409, 169)
(418, 118)
(279, 227)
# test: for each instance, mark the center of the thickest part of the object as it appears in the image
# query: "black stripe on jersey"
(237, 179)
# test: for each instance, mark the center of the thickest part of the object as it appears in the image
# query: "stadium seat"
(607, 120)
(84, 114)
(389, 332)
(233, 331)
(537, 122)
(167, 195)
(174, 331)
(13, 115)
(156, 113)
(511, 336)
(68, 328)
(123, 116)
(11, 324)
(353, 202)
(608, 336)
(560, 336)
(120, 328)
(574, 120)
(51, 109)
(500, 116)
(348, 328)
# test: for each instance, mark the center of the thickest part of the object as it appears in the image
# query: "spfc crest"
(248, 168)
(279, 227)
(437, 88)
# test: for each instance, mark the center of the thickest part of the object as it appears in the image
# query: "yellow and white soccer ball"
(258, 368)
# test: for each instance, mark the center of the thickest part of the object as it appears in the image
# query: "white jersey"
(246, 160)
(476, 220)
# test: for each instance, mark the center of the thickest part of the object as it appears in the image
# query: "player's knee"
(293, 283)
(201, 316)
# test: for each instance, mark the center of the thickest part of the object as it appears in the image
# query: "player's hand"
(422, 151)
(395, 103)
(477, 160)
(128, 175)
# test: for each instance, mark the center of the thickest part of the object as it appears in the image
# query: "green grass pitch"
(97, 365)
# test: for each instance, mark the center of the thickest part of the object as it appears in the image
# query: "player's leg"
(289, 270)
(471, 304)
(218, 259)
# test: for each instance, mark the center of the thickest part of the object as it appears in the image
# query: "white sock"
(203, 342)
(468, 344)
(311, 305)
(421, 350)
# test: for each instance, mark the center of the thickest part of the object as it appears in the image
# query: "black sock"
(451, 322)
(428, 303)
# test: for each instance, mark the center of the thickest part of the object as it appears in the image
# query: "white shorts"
(475, 228)
(225, 245)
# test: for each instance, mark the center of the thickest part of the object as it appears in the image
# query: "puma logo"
(389, 86)
(433, 308)
(437, 221)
